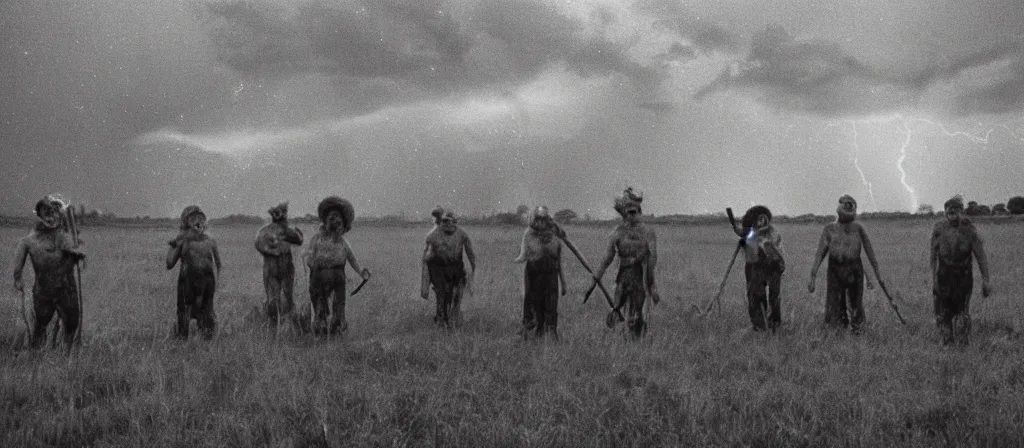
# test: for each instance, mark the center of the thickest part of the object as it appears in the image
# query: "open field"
(396, 380)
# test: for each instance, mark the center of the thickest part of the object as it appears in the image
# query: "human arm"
(425, 273)
(978, 248)
(522, 248)
(216, 255)
(20, 255)
(471, 256)
(173, 255)
(819, 256)
(351, 258)
(265, 243)
(292, 235)
(777, 244)
(870, 252)
(652, 263)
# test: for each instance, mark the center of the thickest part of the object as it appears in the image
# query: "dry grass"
(395, 380)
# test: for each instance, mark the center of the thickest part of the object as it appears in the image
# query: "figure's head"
(193, 218)
(336, 214)
(541, 220)
(279, 212)
(628, 205)
(757, 217)
(447, 221)
(847, 209)
(954, 208)
(49, 210)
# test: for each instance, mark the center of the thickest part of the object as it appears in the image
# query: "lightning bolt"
(856, 164)
(903, 172)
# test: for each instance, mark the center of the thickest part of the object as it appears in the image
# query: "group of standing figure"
(954, 243)
(55, 254)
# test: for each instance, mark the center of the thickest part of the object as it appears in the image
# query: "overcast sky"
(147, 106)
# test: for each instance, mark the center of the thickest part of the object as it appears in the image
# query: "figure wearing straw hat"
(326, 256)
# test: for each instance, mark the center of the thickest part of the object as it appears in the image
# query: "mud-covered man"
(636, 246)
(765, 264)
(54, 256)
(843, 242)
(954, 243)
(197, 277)
(443, 267)
(326, 257)
(541, 250)
(274, 241)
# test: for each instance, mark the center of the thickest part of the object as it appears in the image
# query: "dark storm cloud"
(994, 79)
(811, 76)
(820, 77)
(433, 44)
(701, 34)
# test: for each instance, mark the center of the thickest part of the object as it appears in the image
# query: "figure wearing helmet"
(444, 269)
(53, 257)
(197, 276)
(542, 253)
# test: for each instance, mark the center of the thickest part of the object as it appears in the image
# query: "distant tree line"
(1014, 206)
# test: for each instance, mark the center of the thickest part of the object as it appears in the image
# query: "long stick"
(892, 303)
(579, 256)
(721, 287)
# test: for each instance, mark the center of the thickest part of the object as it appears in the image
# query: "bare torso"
(844, 241)
(197, 254)
(443, 248)
(327, 251)
(954, 244)
(52, 264)
(542, 246)
(631, 243)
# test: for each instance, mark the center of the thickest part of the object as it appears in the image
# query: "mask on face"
(847, 209)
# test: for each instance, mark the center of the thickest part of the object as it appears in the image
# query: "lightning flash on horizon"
(856, 164)
(903, 172)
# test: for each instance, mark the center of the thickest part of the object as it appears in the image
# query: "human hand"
(810, 286)
(425, 292)
(986, 288)
(365, 274)
(519, 260)
(868, 283)
(655, 297)
(19, 285)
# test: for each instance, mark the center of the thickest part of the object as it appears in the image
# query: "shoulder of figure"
(462, 233)
(648, 230)
(940, 225)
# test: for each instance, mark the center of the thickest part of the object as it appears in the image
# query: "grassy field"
(396, 380)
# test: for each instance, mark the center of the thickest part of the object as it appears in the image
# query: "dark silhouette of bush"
(1016, 205)
(999, 209)
(565, 216)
